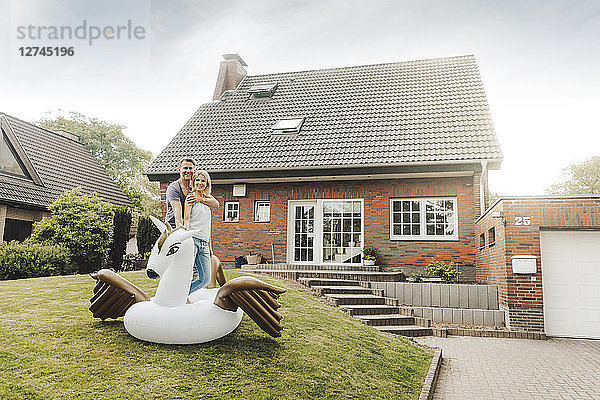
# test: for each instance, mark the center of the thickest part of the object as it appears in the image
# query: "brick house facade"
(327, 162)
(514, 226)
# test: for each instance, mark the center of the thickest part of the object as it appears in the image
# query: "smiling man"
(177, 192)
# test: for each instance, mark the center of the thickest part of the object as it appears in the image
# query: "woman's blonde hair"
(204, 173)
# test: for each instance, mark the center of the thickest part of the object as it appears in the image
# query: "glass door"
(342, 231)
(304, 233)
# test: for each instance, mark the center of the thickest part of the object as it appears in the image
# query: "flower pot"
(254, 258)
(368, 262)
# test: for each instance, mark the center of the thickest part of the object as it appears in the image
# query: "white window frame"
(422, 220)
(257, 207)
(318, 230)
(227, 209)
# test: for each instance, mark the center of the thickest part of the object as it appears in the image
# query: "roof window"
(288, 125)
(260, 90)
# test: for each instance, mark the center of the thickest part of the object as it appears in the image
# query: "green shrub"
(30, 260)
(83, 224)
(121, 225)
(447, 272)
(147, 235)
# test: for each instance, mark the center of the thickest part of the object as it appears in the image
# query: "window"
(342, 231)
(482, 241)
(8, 161)
(288, 125)
(423, 219)
(15, 229)
(262, 211)
(492, 236)
(261, 90)
(232, 211)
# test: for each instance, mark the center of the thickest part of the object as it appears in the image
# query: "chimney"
(230, 75)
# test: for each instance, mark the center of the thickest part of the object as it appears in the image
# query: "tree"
(81, 223)
(118, 246)
(122, 160)
(579, 178)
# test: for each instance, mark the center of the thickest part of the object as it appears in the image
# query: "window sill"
(261, 222)
(231, 221)
(424, 239)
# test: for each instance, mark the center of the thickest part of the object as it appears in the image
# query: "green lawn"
(51, 347)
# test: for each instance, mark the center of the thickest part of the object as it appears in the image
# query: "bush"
(121, 225)
(29, 260)
(447, 272)
(83, 224)
(147, 235)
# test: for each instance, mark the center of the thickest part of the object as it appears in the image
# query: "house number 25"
(522, 221)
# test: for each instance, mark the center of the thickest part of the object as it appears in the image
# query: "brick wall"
(20, 214)
(523, 293)
(232, 239)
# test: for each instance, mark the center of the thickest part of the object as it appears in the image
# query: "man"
(177, 192)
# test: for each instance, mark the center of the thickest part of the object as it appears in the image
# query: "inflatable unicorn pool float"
(168, 317)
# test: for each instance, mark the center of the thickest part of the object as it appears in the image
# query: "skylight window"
(266, 89)
(288, 125)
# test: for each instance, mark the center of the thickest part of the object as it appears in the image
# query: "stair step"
(342, 290)
(327, 282)
(362, 309)
(329, 274)
(386, 319)
(346, 299)
(312, 267)
(406, 330)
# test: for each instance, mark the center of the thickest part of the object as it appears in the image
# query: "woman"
(196, 216)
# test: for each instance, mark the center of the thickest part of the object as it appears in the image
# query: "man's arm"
(176, 205)
(187, 211)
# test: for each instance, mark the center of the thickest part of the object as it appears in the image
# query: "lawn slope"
(52, 348)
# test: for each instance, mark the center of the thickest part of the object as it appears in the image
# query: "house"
(37, 165)
(312, 166)
(542, 252)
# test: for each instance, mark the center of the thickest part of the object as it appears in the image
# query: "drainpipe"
(482, 185)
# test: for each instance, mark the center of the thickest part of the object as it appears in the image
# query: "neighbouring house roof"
(55, 163)
(425, 112)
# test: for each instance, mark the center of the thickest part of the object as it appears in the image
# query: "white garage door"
(571, 279)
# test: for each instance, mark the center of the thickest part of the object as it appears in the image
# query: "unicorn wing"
(113, 295)
(257, 298)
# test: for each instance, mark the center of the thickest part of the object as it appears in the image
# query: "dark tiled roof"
(426, 111)
(61, 163)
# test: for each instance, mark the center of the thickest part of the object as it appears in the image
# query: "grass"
(52, 348)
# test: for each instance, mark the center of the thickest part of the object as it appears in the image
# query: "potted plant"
(369, 255)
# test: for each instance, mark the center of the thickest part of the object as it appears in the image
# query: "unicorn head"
(171, 260)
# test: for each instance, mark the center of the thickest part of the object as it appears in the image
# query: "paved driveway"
(491, 368)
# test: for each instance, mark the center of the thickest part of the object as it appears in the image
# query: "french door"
(325, 231)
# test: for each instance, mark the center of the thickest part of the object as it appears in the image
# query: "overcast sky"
(539, 61)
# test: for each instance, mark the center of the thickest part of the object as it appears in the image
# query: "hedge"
(30, 260)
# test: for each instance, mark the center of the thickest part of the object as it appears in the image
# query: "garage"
(571, 283)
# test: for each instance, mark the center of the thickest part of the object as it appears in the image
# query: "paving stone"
(516, 369)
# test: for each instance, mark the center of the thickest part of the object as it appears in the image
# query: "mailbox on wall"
(524, 264)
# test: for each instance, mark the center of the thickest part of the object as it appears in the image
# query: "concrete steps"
(386, 319)
(407, 330)
(355, 299)
(335, 289)
(296, 274)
